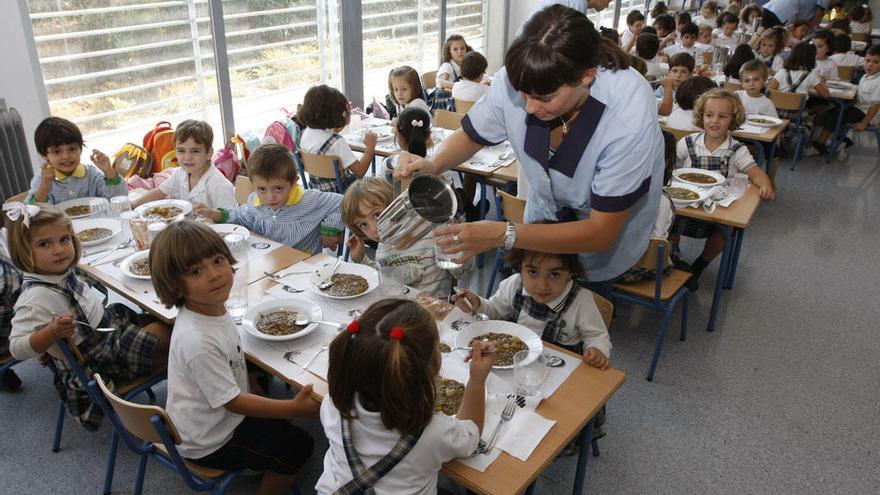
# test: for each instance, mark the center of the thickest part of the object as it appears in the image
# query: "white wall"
(21, 81)
(519, 10)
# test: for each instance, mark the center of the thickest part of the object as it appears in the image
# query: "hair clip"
(17, 209)
(418, 123)
(396, 333)
(353, 327)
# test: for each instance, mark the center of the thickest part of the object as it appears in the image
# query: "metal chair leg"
(59, 425)
(594, 444)
(141, 474)
(684, 317)
(111, 463)
(661, 338)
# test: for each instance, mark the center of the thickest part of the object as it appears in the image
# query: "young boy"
(704, 38)
(62, 177)
(688, 36)
(635, 21)
(726, 37)
(221, 424)
(864, 113)
(842, 54)
(681, 67)
(195, 180)
(665, 27)
(471, 87)
(281, 209)
(753, 77)
(647, 46)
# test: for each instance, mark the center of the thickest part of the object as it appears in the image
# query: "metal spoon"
(305, 320)
(328, 281)
(121, 245)
(469, 349)
(98, 329)
(477, 316)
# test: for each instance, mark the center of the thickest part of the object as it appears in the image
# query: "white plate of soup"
(274, 320)
(685, 194)
(763, 120)
(93, 231)
(137, 265)
(81, 207)
(164, 209)
(351, 280)
(523, 338)
(698, 177)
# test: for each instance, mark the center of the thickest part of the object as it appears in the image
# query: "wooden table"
(572, 406)
(146, 298)
(732, 221)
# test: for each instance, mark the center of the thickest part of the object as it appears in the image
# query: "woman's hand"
(464, 297)
(409, 165)
(596, 359)
(470, 239)
(356, 248)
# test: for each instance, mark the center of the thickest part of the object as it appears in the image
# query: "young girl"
(543, 296)
(797, 31)
(56, 304)
(708, 14)
(770, 45)
(221, 424)
(381, 408)
(748, 16)
(799, 73)
(824, 40)
(10, 287)
(415, 266)
(404, 90)
(860, 18)
(741, 55)
(717, 112)
(449, 72)
(325, 112)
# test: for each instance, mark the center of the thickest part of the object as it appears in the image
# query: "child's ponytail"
(414, 125)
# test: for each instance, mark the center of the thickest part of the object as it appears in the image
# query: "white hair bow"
(418, 123)
(16, 209)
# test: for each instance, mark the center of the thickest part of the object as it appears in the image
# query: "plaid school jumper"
(329, 184)
(696, 228)
(792, 88)
(364, 479)
(552, 316)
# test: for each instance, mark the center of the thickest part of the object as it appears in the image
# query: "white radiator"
(15, 162)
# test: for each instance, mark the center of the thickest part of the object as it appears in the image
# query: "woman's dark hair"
(647, 45)
(802, 57)
(416, 136)
(741, 55)
(842, 43)
(664, 22)
(828, 37)
(555, 48)
(396, 377)
(323, 107)
(447, 47)
(473, 66)
(633, 17)
(690, 89)
(55, 131)
(669, 155)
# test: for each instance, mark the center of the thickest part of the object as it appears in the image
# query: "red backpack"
(159, 142)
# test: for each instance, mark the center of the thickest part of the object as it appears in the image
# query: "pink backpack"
(279, 133)
(228, 161)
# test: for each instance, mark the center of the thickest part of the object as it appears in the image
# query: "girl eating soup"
(382, 407)
(717, 112)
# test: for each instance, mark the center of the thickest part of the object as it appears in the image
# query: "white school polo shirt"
(213, 189)
(611, 160)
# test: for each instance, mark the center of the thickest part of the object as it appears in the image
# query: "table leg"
(738, 234)
(580, 475)
(832, 150)
(769, 164)
(722, 275)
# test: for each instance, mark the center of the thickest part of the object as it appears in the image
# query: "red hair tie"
(397, 333)
(353, 327)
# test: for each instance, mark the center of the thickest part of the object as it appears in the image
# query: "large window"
(116, 67)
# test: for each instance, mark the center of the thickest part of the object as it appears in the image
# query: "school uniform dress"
(775, 63)
(395, 108)
(328, 142)
(206, 370)
(760, 105)
(468, 90)
(728, 159)
(120, 356)
(442, 96)
(662, 227)
(86, 181)
(571, 320)
(10, 288)
(213, 188)
(443, 439)
(300, 223)
(611, 159)
(681, 119)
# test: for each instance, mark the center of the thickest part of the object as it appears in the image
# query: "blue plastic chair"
(128, 391)
(148, 431)
(662, 294)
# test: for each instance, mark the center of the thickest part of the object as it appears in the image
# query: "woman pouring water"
(584, 129)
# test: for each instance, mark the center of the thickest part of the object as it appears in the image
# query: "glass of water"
(442, 259)
(237, 304)
(529, 375)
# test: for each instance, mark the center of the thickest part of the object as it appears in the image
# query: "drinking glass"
(98, 207)
(389, 285)
(119, 204)
(237, 302)
(125, 219)
(529, 376)
(441, 259)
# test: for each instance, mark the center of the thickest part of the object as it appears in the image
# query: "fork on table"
(506, 415)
